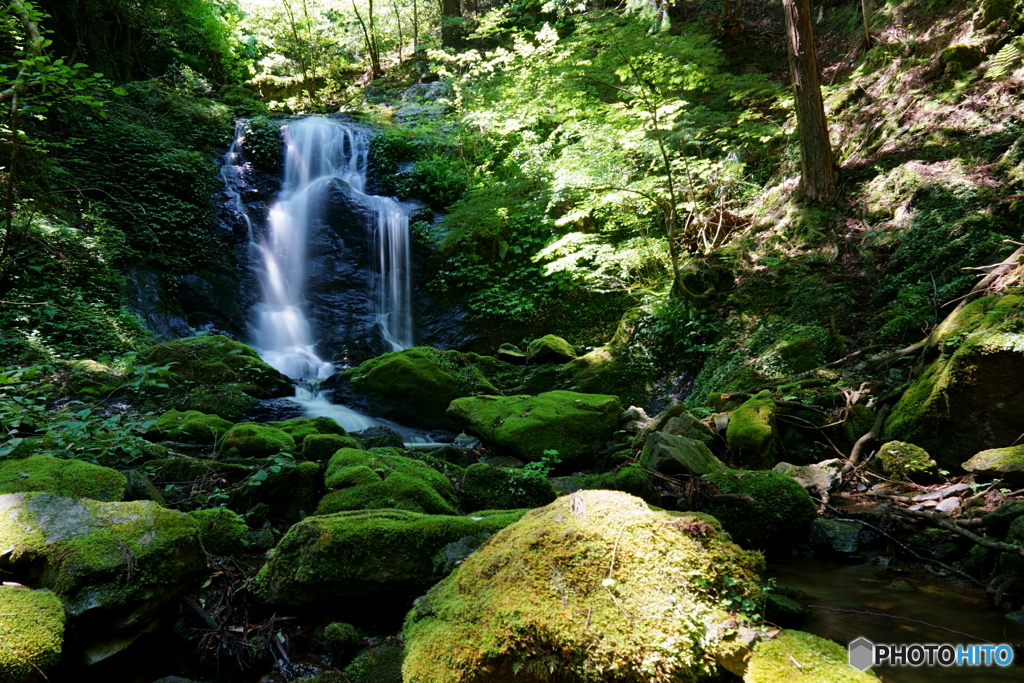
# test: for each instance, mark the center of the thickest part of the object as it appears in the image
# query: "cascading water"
(318, 153)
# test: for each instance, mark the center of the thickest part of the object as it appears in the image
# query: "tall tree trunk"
(415, 29)
(819, 175)
(371, 43)
(451, 31)
(866, 7)
(398, 20)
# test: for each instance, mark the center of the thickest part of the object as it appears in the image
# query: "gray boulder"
(670, 454)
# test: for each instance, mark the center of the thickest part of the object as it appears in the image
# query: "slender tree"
(819, 174)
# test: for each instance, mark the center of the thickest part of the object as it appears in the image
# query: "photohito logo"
(864, 654)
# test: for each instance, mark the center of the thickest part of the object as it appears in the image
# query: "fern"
(1005, 60)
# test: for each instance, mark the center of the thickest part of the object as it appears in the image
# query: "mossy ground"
(31, 632)
(192, 425)
(798, 657)
(221, 530)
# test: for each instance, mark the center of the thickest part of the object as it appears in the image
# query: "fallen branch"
(882, 362)
(873, 435)
(948, 525)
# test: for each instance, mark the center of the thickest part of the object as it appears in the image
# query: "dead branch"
(873, 435)
(948, 525)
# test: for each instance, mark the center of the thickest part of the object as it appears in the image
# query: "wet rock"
(477, 620)
(671, 454)
(841, 537)
(68, 478)
(273, 410)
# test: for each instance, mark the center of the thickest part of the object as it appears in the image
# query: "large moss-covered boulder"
(327, 558)
(302, 427)
(254, 440)
(68, 478)
(502, 488)
(573, 425)
(616, 592)
(999, 463)
(377, 664)
(549, 349)
(227, 401)
(106, 561)
(31, 632)
(365, 480)
(214, 361)
(898, 460)
(414, 386)
(751, 430)
(780, 515)
(192, 426)
(970, 395)
(221, 530)
(798, 657)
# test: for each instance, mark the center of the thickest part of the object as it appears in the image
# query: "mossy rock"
(1011, 564)
(226, 402)
(503, 488)
(378, 436)
(575, 425)
(320, 447)
(325, 559)
(193, 426)
(67, 478)
(104, 560)
(302, 427)
(630, 479)
(254, 440)
(898, 460)
(549, 349)
(221, 530)
(32, 632)
(970, 395)
(365, 480)
(378, 664)
(671, 454)
(579, 620)
(816, 661)
(994, 11)
(215, 361)
(342, 638)
(999, 463)
(785, 612)
(509, 353)
(414, 386)
(964, 57)
(997, 522)
(751, 431)
(780, 516)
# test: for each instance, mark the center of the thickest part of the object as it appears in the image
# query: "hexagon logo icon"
(862, 654)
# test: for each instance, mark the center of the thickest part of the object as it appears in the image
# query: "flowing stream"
(321, 152)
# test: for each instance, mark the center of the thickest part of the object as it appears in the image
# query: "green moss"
(549, 349)
(899, 460)
(341, 638)
(575, 425)
(331, 557)
(780, 516)
(253, 440)
(370, 480)
(221, 530)
(816, 660)
(964, 57)
(302, 427)
(31, 630)
(630, 479)
(193, 425)
(997, 522)
(414, 386)
(638, 617)
(214, 361)
(226, 402)
(491, 488)
(379, 664)
(751, 430)
(68, 478)
(1006, 463)
(320, 447)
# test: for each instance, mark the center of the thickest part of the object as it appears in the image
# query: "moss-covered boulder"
(377, 664)
(214, 361)
(616, 592)
(192, 426)
(961, 57)
(414, 386)
(106, 561)
(31, 632)
(970, 395)
(221, 530)
(630, 479)
(503, 488)
(549, 349)
(575, 426)
(254, 440)
(365, 480)
(68, 478)
(227, 402)
(320, 447)
(900, 460)
(342, 639)
(780, 515)
(324, 559)
(798, 657)
(751, 431)
(670, 454)
(302, 427)
(999, 463)
(997, 522)
(1012, 564)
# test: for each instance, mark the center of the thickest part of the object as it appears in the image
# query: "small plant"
(263, 142)
(542, 468)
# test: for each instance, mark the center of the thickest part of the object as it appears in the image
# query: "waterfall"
(320, 152)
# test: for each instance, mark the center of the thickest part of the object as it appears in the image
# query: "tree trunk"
(415, 29)
(865, 10)
(819, 175)
(451, 30)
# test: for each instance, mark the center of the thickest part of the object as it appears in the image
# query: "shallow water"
(865, 588)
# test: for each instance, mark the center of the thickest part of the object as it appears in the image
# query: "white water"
(319, 152)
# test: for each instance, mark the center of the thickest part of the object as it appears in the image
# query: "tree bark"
(819, 175)
(451, 31)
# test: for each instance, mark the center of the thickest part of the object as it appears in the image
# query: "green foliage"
(262, 142)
